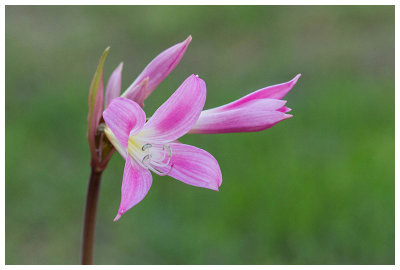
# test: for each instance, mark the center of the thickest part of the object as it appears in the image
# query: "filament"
(151, 163)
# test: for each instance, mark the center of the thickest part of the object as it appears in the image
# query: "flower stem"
(90, 216)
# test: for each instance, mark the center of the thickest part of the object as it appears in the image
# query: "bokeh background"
(315, 189)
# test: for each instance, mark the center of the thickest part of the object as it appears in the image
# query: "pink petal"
(135, 185)
(194, 166)
(252, 117)
(160, 67)
(113, 88)
(277, 91)
(139, 92)
(124, 117)
(178, 114)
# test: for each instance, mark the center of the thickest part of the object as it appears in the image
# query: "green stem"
(90, 216)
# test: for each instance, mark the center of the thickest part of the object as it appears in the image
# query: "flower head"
(151, 146)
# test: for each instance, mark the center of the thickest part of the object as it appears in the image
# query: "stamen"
(155, 170)
(166, 146)
(146, 146)
(150, 163)
(162, 165)
(146, 161)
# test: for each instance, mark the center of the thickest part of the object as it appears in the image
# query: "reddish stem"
(90, 216)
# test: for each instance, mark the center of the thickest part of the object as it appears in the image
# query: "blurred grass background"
(315, 189)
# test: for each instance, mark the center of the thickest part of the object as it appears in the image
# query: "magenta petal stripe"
(178, 114)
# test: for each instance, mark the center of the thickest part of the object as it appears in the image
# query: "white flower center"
(153, 156)
(150, 155)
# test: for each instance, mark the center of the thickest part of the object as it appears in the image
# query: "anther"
(146, 160)
(146, 146)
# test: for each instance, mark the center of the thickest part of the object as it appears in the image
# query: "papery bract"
(96, 96)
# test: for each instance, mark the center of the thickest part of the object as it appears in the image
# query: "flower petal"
(159, 68)
(193, 166)
(135, 185)
(139, 92)
(178, 114)
(124, 117)
(114, 141)
(252, 117)
(277, 91)
(284, 109)
(113, 88)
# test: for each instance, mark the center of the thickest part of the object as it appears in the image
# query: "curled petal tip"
(296, 78)
(194, 76)
(189, 39)
(117, 217)
(287, 116)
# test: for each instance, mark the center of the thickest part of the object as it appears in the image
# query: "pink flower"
(255, 112)
(151, 146)
(152, 75)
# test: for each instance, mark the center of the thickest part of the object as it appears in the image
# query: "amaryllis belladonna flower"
(255, 112)
(153, 74)
(151, 146)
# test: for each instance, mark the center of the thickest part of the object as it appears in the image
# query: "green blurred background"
(315, 189)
